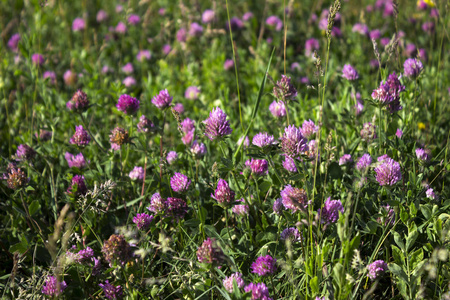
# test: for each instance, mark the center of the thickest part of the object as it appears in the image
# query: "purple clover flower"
(101, 16)
(182, 35)
(145, 125)
(388, 93)
(121, 28)
(70, 78)
(259, 291)
(278, 109)
(309, 128)
(192, 93)
(78, 24)
(375, 34)
(81, 137)
(198, 149)
(172, 156)
(264, 265)
(390, 215)
(118, 137)
(289, 164)
(284, 90)
(293, 143)
(13, 42)
(210, 252)
(377, 269)
(78, 184)
(53, 288)
(51, 76)
(223, 194)
(208, 16)
(228, 65)
(313, 150)
(263, 139)
(79, 102)
(142, 221)
(246, 142)
(278, 206)
(195, 29)
(349, 73)
(217, 126)
(310, 46)
(129, 81)
(137, 173)
(228, 282)
(187, 125)
(180, 183)
(240, 209)
(361, 29)
(117, 250)
(24, 152)
(176, 208)
(247, 16)
(330, 211)
(345, 159)
(128, 68)
(157, 204)
(235, 23)
(75, 161)
(15, 177)
(294, 198)
(274, 22)
(413, 67)
(179, 108)
(388, 172)
(422, 155)
(162, 100)
(111, 291)
(291, 234)
(143, 55)
(37, 59)
(368, 132)
(399, 133)
(430, 194)
(166, 49)
(127, 104)
(259, 167)
(364, 162)
(134, 19)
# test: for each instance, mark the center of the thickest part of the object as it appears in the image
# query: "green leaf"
(410, 240)
(398, 255)
(34, 207)
(398, 271)
(398, 240)
(338, 274)
(255, 108)
(415, 258)
(426, 211)
(314, 284)
(19, 247)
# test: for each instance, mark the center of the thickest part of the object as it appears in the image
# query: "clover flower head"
(264, 265)
(330, 211)
(217, 126)
(294, 198)
(142, 221)
(162, 100)
(388, 172)
(263, 139)
(180, 183)
(377, 269)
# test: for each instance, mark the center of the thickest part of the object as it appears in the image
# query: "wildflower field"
(204, 149)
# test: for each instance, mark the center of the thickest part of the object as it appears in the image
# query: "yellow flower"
(429, 3)
(421, 126)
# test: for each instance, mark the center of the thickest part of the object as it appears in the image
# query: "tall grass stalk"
(235, 66)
